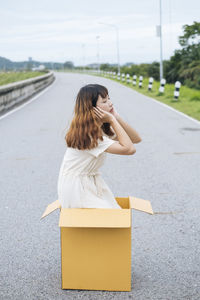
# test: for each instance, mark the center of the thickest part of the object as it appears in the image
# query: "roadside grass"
(10, 77)
(188, 101)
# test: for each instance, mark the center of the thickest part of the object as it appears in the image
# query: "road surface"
(164, 170)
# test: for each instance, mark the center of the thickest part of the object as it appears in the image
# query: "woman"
(90, 135)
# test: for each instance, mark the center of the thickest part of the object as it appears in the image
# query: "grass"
(188, 101)
(9, 77)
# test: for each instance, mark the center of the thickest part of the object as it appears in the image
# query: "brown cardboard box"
(96, 245)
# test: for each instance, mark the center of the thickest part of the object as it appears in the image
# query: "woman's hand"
(102, 115)
(115, 113)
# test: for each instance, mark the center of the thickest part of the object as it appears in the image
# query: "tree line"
(183, 65)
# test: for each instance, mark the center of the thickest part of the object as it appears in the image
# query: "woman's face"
(105, 103)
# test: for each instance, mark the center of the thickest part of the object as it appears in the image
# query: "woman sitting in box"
(89, 136)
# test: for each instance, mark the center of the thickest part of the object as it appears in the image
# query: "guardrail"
(13, 94)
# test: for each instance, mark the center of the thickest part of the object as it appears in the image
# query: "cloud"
(60, 33)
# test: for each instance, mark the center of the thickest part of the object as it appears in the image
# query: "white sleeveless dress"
(80, 184)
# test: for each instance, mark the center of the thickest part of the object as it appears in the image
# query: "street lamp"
(97, 37)
(159, 34)
(117, 41)
(161, 59)
(83, 53)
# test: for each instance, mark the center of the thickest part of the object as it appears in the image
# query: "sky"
(64, 30)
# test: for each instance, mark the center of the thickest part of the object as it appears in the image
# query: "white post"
(177, 88)
(162, 85)
(140, 81)
(127, 78)
(134, 79)
(150, 83)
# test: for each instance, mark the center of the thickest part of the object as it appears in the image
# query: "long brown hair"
(85, 129)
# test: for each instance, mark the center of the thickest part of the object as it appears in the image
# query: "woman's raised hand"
(104, 116)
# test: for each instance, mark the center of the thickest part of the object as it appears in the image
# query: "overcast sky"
(65, 30)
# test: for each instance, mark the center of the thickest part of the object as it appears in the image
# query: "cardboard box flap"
(140, 204)
(50, 208)
(92, 217)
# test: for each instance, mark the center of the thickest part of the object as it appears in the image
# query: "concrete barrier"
(15, 93)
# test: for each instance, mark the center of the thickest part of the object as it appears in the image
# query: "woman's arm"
(124, 146)
(123, 138)
(132, 133)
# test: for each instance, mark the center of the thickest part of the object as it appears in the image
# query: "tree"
(191, 32)
(184, 64)
(68, 65)
(154, 70)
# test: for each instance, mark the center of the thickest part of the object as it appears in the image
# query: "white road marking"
(169, 107)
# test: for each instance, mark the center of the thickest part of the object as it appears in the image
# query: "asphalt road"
(164, 170)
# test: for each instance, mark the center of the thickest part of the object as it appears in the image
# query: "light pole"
(83, 53)
(98, 62)
(161, 59)
(117, 41)
(159, 34)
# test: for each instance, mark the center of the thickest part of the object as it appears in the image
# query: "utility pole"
(117, 32)
(98, 61)
(117, 41)
(83, 53)
(161, 58)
